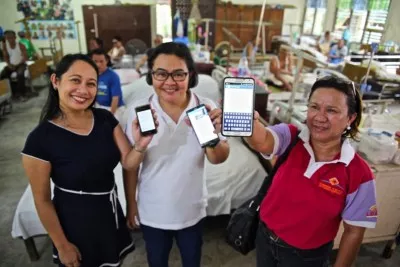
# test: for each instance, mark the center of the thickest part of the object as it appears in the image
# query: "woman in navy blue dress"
(78, 146)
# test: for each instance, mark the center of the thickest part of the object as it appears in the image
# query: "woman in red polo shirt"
(322, 182)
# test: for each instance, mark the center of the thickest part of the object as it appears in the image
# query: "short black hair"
(118, 38)
(98, 51)
(354, 102)
(170, 48)
(10, 32)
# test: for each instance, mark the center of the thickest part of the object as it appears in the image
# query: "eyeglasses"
(339, 80)
(162, 75)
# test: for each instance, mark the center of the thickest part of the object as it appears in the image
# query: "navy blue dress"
(86, 204)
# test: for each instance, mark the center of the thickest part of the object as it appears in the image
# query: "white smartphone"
(238, 106)
(203, 126)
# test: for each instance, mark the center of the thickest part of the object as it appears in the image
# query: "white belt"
(112, 193)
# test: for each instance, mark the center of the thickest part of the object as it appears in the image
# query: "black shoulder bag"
(242, 227)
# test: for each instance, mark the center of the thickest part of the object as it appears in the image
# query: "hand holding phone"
(203, 126)
(238, 106)
(144, 126)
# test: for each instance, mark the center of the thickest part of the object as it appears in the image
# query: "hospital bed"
(228, 184)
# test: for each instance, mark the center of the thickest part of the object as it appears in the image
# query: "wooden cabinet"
(127, 21)
(242, 13)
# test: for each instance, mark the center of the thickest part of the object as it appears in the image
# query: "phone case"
(211, 143)
(237, 134)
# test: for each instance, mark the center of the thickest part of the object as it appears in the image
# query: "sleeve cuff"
(361, 223)
(35, 157)
(276, 145)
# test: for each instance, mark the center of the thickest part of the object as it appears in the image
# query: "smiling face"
(171, 91)
(77, 87)
(327, 115)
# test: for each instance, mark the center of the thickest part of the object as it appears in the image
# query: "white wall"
(392, 29)
(330, 15)
(9, 14)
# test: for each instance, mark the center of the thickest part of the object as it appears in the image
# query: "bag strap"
(268, 180)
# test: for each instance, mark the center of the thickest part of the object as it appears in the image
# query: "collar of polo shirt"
(346, 154)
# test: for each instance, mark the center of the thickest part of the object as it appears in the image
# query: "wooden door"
(129, 22)
(274, 16)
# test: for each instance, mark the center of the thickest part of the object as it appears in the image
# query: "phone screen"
(146, 120)
(238, 107)
(202, 125)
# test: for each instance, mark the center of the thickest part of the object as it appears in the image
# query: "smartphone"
(238, 106)
(202, 126)
(146, 121)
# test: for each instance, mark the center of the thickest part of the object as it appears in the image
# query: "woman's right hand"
(141, 141)
(69, 255)
(132, 216)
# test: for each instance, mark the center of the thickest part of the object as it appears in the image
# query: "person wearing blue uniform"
(109, 93)
(338, 52)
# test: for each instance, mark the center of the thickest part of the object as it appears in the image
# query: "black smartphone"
(238, 106)
(203, 126)
(146, 121)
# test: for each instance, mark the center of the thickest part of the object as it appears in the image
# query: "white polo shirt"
(172, 191)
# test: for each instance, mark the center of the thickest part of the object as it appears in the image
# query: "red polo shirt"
(307, 199)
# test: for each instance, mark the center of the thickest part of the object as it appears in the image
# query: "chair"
(355, 72)
(36, 70)
(5, 97)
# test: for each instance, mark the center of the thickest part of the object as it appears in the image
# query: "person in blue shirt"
(338, 52)
(109, 92)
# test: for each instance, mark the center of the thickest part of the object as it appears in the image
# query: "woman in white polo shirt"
(171, 200)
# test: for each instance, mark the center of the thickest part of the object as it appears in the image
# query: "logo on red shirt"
(372, 212)
(332, 186)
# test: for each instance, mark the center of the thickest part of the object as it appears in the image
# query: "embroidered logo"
(331, 189)
(334, 181)
(372, 212)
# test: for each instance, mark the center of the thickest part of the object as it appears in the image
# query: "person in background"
(95, 43)
(338, 52)
(15, 56)
(346, 36)
(171, 199)
(117, 51)
(30, 48)
(324, 44)
(77, 147)
(157, 41)
(322, 183)
(251, 48)
(109, 93)
(281, 67)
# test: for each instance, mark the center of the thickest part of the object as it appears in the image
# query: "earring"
(348, 128)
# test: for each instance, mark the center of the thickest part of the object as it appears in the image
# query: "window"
(313, 15)
(365, 19)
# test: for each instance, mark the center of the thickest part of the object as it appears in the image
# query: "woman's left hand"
(216, 118)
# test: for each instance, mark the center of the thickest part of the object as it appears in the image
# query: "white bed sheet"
(229, 184)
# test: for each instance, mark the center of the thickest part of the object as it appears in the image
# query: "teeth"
(79, 99)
